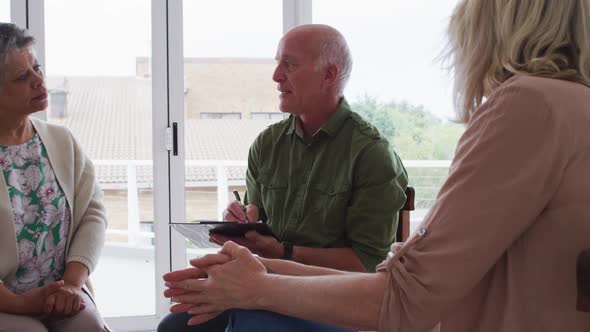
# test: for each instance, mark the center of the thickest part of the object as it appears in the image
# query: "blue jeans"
(263, 321)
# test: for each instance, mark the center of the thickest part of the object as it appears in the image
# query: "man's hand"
(232, 284)
(67, 301)
(33, 301)
(235, 211)
(265, 246)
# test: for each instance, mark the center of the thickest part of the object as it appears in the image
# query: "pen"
(237, 196)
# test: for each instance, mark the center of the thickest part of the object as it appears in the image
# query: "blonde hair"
(492, 40)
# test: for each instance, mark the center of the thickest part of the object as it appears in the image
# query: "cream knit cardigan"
(75, 174)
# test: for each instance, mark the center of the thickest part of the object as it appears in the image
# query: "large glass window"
(100, 82)
(5, 11)
(221, 115)
(397, 82)
(228, 66)
(98, 76)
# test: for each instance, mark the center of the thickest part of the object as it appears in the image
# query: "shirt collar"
(331, 127)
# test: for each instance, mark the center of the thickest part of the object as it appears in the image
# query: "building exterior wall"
(225, 85)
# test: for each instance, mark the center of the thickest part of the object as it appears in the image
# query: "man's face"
(22, 86)
(298, 81)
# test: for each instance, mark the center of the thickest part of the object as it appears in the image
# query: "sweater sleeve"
(512, 148)
(89, 214)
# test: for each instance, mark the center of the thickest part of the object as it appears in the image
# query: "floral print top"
(41, 215)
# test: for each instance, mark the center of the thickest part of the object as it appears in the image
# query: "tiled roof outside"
(111, 118)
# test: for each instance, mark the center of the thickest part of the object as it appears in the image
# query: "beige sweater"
(75, 174)
(498, 250)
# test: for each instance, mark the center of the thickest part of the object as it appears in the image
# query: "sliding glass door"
(99, 80)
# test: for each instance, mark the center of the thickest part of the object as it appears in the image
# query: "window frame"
(167, 108)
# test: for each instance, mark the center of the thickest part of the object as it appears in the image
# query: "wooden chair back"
(403, 223)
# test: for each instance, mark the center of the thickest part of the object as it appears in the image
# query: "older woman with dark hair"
(502, 249)
(52, 220)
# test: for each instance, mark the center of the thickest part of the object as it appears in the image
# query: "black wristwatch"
(287, 251)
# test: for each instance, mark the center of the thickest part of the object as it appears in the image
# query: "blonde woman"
(499, 250)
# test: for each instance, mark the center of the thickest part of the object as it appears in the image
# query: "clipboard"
(198, 231)
(235, 229)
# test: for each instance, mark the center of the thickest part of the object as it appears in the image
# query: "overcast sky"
(4, 10)
(394, 42)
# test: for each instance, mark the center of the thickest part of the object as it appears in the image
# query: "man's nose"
(278, 75)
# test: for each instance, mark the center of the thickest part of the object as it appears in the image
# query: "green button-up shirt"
(342, 189)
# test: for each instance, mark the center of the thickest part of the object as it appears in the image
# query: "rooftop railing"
(426, 176)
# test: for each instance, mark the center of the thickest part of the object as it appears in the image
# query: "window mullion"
(296, 12)
(176, 115)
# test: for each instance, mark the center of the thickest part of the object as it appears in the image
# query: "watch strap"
(287, 251)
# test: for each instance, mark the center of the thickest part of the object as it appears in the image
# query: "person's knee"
(174, 322)
(93, 322)
(11, 323)
(85, 320)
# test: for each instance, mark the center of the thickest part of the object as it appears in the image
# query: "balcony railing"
(426, 176)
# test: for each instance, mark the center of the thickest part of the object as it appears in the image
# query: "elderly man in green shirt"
(325, 180)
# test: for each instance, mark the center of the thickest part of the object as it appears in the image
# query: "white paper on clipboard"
(198, 234)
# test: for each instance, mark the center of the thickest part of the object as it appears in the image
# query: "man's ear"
(331, 74)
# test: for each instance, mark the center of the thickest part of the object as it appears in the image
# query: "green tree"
(415, 134)
(370, 109)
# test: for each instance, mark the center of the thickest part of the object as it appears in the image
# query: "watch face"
(583, 276)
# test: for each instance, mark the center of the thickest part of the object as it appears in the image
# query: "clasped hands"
(57, 299)
(231, 278)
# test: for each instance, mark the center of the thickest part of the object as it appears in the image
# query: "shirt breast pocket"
(273, 192)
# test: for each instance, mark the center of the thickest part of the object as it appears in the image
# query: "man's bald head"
(328, 47)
